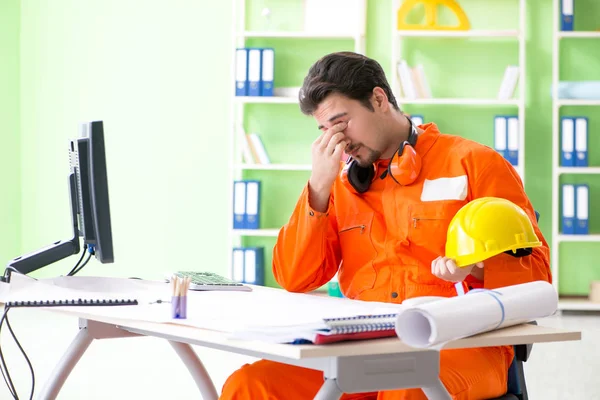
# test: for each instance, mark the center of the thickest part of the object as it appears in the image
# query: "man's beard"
(370, 159)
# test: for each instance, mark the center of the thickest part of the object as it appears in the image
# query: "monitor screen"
(90, 209)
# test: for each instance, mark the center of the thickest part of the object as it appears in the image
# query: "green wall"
(10, 168)
(159, 75)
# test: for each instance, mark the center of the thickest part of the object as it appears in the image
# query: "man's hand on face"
(326, 154)
(445, 268)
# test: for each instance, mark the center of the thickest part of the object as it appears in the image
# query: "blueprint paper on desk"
(434, 323)
(272, 315)
(275, 313)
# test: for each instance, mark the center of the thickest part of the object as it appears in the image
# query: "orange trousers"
(467, 374)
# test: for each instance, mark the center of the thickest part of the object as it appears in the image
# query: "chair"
(517, 389)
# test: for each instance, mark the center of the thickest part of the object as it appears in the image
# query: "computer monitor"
(90, 208)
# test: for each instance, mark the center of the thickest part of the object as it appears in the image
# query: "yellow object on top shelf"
(431, 16)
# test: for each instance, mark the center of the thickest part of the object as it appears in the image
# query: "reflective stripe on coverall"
(384, 242)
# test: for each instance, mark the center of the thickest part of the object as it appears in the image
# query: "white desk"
(350, 367)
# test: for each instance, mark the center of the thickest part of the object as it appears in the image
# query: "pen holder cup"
(179, 307)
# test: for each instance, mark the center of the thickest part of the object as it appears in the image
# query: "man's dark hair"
(347, 73)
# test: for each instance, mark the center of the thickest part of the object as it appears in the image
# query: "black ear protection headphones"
(404, 167)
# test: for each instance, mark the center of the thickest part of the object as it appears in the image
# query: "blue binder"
(252, 204)
(512, 142)
(582, 209)
(254, 71)
(568, 209)
(501, 135)
(241, 72)
(581, 142)
(254, 271)
(566, 14)
(567, 141)
(237, 264)
(267, 71)
(239, 205)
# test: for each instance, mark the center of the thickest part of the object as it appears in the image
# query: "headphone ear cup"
(356, 178)
(405, 168)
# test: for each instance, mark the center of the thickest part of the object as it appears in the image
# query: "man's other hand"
(445, 268)
(326, 156)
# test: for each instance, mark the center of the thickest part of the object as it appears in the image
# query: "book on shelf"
(509, 83)
(253, 148)
(413, 82)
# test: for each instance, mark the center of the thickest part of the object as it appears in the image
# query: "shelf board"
(266, 99)
(578, 170)
(577, 304)
(580, 34)
(257, 232)
(458, 34)
(577, 102)
(299, 35)
(579, 238)
(275, 167)
(461, 101)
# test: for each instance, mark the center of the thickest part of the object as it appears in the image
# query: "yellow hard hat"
(486, 227)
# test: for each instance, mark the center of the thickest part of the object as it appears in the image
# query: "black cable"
(72, 272)
(83, 265)
(24, 355)
(6, 376)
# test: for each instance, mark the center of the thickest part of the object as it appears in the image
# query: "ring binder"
(73, 302)
(361, 323)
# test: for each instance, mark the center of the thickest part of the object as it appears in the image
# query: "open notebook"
(329, 330)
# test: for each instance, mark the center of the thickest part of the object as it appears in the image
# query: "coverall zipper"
(362, 228)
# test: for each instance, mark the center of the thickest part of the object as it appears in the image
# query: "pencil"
(173, 285)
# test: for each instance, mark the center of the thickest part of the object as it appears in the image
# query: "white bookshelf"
(565, 303)
(473, 34)
(301, 35)
(273, 232)
(274, 167)
(461, 101)
(266, 99)
(237, 167)
(575, 34)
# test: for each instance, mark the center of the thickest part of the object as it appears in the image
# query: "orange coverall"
(383, 243)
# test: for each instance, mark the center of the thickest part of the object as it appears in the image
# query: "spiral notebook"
(329, 330)
(72, 302)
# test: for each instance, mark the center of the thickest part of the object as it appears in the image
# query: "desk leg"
(436, 391)
(196, 368)
(65, 365)
(329, 391)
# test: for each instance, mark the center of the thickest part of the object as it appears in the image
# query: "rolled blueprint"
(437, 321)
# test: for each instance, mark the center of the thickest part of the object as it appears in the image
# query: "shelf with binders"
(575, 93)
(449, 83)
(577, 18)
(578, 234)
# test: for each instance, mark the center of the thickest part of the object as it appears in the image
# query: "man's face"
(363, 131)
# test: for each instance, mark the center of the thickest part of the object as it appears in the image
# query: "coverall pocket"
(356, 273)
(429, 225)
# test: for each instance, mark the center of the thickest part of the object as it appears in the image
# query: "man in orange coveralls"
(386, 229)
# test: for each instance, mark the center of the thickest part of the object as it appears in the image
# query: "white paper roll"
(480, 310)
